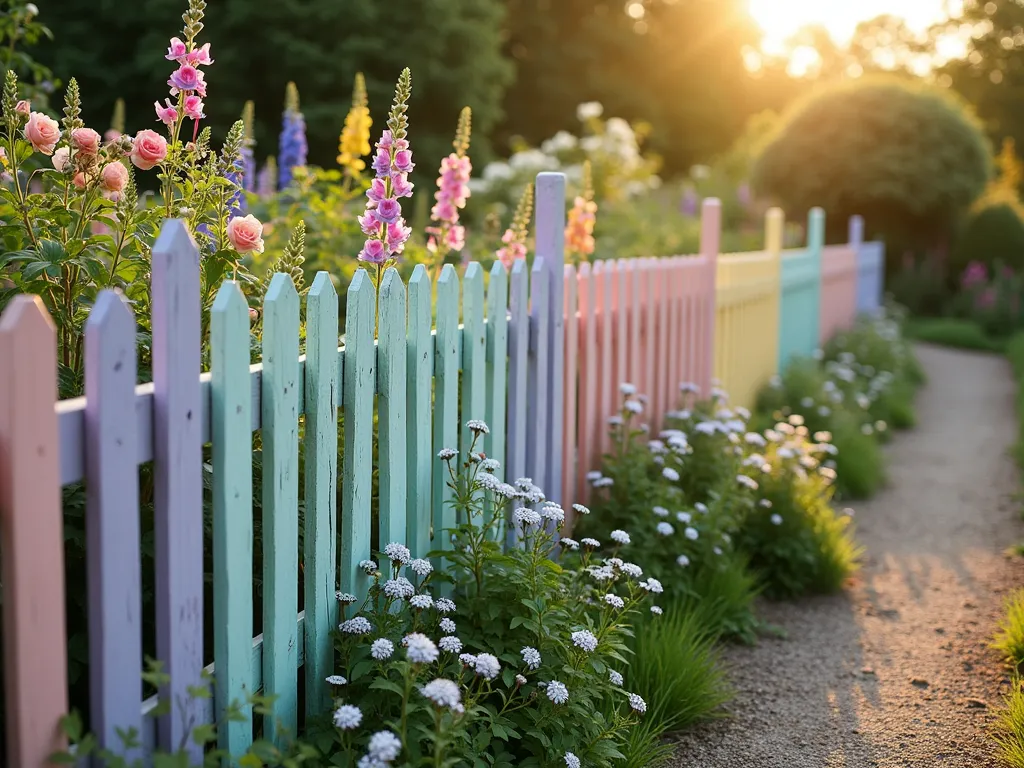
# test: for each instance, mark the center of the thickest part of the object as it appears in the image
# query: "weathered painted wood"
(650, 313)
(660, 402)
(670, 274)
(32, 536)
(604, 276)
(474, 354)
(710, 245)
(635, 321)
(230, 419)
(591, 422)
(518, 365)
(281, 503)
(572, 328)
(496, 370)
(320, 535)
(446, 402)
(622, 297)
(178, 493)
(538, 412)
(419, 390)
(112, 522)
(391, 410)
(357, 465)
(550, 244)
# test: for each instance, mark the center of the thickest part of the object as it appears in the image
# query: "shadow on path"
(896, 671)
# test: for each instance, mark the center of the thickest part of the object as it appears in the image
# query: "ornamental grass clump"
(1009, 641)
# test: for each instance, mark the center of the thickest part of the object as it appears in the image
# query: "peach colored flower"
(86, 140)
(23, 107)
(148, 150)
(114, 177)
(42, 133)
(79, 181)
(246, 234)
(60, 159)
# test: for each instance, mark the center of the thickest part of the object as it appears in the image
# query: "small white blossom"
(603, 482)
(525, 516)
(421, 567)
(614, 601)
(717, 550)
(444, 693)
(631, 570)
(475, 425)
(665, 529)
(467, 659)
(776, 519)
(399, 589)
(358, 625)
(702, 508)
(345, 597)
(531, 657)
(634, 406)
(557, 692)
(487, 666)
(447, 453)
(615, 421)
(637, 703)
(368, 567)
(489, 482)
(615, 678)
(584, 639)
(602, 573)
(660, 511)
(653, 586)
(450, 644)
(382, 648)
(619, 536)
(691, 534)
(627, 389)
(422, 602)
(589, 542)
(766, 503)
(553, 512)
(444, 605)
(749, 482)
(398, 553)
(447, 625)
(683, 561)
(336, 680)
(670, 474)
(593, 475)
(420, 649)
(490, 465)
(347, 717)
(683, 517)
(580, 509)
(570, 544)
(384, 746)
(656, 610)
(571, 761)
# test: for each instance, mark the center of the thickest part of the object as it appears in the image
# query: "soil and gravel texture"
(897, 671)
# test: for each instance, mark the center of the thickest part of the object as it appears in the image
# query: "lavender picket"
(474, 352)
(518, 358)
(391, 405)
(550, 239)
(177, 469)
(420, 373)
(230, 427)
(280, 406)
(538, 413)
(112, 522)
(572, 327)
(496, 368)
(322, 397)
(32, 536)
(357, 465)
(446, 401)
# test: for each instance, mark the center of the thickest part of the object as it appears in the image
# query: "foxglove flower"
(446, 233)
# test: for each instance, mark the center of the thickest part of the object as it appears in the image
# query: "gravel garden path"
(896, 671)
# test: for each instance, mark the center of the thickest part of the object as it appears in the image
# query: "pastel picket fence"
(537, 352)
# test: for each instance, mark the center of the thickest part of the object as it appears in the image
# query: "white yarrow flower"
(357, 625)
(619, 536)
(570, 544)
(382, 648)
(637, 703)
(421, 567)
(384, 746)
(614, 601)
(585, 639)
(580, 509)
(346, 598)
(591, 543)
(420, 649)
(487, 666)
(444, 605)
(634, 406)
(632, 570)
(336, 680)
(691, 534)
(660, 511)
(683, 561)
(444, 693)
(450, 644)
(475, 425)
(399, 588)
(627, 389)
(347, 717)
(670, 474)
(525, 516)
(368, 567)
(398, 553)
(656, 610)
(615, 678)
(665, 529)
(531, 657)
(421, 602)
(571, 761)
(557, 692)
(447, 453)
(520, 680)
(652, 585)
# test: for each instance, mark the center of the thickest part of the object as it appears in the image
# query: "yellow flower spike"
(354, 143)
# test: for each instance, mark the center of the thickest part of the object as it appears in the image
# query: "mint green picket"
(280, 410)
(231, 432)
(474, 352)
(321, 460)
(446, 401)
(357, 466)
(496, 368)
(391, 410)
(420, 374)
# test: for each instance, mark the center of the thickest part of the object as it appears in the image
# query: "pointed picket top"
(281, 289)
(774, 226)
(27, 315)
(816, 229)
(229, 298)
(174, 243)
(710, 227)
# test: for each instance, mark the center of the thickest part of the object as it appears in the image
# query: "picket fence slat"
(446, 403)
(589, 420)
(178, 492)
(621, 317)
(320, 534)
(604, 309)
(518, 359)
(32, 536)
(420, 373)
(230, 418)
(537, 408)
(391, 408)
(550, 243)
(357, 463)
(474, 354)
(570, 393)
(496, 371)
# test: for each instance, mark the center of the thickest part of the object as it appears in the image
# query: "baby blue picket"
(280, 411)
(446, 402)
(357, 465)
(392, 404)
(420, 373)
(322, 397)
(231, 430)
(496, 368)
(538, 415)
(474, 353)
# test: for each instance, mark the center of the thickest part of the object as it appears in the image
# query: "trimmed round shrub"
(993, 234)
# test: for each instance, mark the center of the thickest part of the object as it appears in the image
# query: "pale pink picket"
(570, 391)
(838, 289)
(32, 535)
(587, 421)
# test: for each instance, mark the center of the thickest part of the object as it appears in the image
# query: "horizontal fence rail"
(538, 352)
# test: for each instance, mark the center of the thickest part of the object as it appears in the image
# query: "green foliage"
(992, 234)
(1015, 353)
(1009, 640)
(1008, 730)
(907, 157)
(953, 332)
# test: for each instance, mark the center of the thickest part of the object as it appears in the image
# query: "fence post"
(551, 247)
(31, 526)
(177, 469)
(815, 244)
(856, 237)
(710, 245)
(774, 227)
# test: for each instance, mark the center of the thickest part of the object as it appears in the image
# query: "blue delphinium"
(293, 145)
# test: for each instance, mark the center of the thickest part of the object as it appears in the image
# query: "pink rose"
(86, 140)
(60, 159)
(79, 180)
(246, 234)
(114, 177)
(23, 107)
(148, 149)
(42, 133)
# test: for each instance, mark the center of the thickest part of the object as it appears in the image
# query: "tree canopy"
(909, 158)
